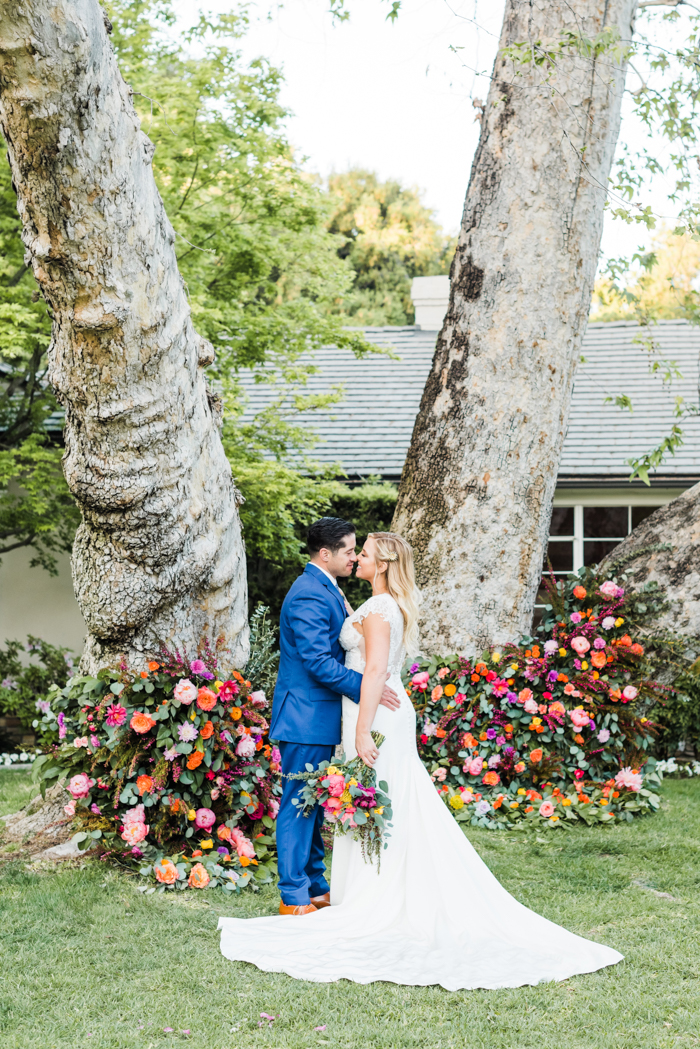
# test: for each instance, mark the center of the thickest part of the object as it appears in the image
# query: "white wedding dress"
(434, 914)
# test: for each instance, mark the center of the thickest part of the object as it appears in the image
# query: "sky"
(397, 98)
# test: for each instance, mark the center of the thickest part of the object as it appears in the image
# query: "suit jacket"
(312, 677)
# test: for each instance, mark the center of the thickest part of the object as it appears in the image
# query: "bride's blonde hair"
(396, 553)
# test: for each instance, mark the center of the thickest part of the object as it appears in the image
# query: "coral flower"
(579, 592)
(80, 785)
(580, 645)
(153, 666)
(524, 695)
(144, 784)
(207, 730)
(520, 767)
(206, 699)
(536, 755)
(133, 833)
(436, 693)
(598, 659)
(141, 722)
(546, 809)
(223, 833)
(185, 691)
(165, 872)
(195, 759)
(199, 877)
(491, 779)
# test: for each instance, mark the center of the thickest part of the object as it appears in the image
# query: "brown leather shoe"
(299, 908)
(321, 901)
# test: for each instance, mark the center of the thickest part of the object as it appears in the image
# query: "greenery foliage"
(26, 674)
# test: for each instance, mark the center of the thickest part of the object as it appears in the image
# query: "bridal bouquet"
(351, 799)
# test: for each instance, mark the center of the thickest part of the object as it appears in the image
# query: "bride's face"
(367, 566)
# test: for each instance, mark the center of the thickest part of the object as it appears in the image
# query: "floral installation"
(170, 771)
(548, 731)
(352, 800)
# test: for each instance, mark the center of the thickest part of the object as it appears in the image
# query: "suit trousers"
(302, 872)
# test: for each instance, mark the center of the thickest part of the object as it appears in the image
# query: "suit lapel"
(313, 571)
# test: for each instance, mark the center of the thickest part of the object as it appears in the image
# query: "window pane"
(594, 552)
(562, 521)
(640, 512)
(603, 522)
(561, 554)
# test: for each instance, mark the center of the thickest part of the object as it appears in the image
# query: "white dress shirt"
(327, 574)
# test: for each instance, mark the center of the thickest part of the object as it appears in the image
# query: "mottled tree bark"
(476, 493)
(159, 554)
(665, 548)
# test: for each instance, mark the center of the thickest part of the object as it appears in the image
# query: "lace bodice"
(354, 644)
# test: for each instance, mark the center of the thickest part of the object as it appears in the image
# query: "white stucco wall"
(33, 602)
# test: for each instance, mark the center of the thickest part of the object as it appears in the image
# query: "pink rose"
(579, 717)
(258, 699)
(133, 833)
(205, 819)
(336, 785)
(421, 680)
(580, 645)
(610, 589)
(135, 815)
(546, 809)
(628, 779)
(80, 741)
(273, 807)
(530, 706)
(332, 804)
(81, 785)
(440, 775)
(629, 692)
(185, 691)
(244, 846)
(569, 689)
(475, 766)
(246, 747)
(69, 809)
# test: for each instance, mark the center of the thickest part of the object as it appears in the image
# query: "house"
(368, 433)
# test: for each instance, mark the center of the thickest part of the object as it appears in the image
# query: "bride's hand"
(366, 748)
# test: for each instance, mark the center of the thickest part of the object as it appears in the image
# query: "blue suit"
(306, 715)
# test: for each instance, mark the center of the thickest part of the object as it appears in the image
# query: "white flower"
(608, 623)
(429, 729)
(550, 646)
(170, 753)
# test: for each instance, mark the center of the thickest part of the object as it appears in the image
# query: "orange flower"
(197, 852)
(144, 673)
(578, 739)
(175, 805)
(436, 693)
(481, 668)
(243, 860)
(539, 729)
(529, 808)
(520, 767)
(598, 659)
(141, 722)
(195, 759)
(579, 592)
(207, 730)
(152, 666)
(469, 741)
(165, 872)
(535, 651)
(223, 833)
(491, 779)
(440, 733)
(625, 640)
(450, 690)
(536, 755)
(144, 784)
(637, 650)
(562, 677)
(499, 801)
(482, 736)
(206, 699)
(235, 713)
(475, 678)
(199, 877)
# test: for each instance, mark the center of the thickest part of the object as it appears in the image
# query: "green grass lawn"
(89, 961)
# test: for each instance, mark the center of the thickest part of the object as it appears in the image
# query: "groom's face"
(340, 563)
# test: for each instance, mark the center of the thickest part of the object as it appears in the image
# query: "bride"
(434, 913)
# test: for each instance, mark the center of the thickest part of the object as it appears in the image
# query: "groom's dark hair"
(329, 532)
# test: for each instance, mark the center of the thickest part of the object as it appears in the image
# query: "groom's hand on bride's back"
(389, 697)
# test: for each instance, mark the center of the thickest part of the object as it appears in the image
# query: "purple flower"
(414, 668)
(552, 676)
(198, 667)
(509, 751)
(494, 761)
(481, 808)
(207, 675)
(577, 664)
(276, 755)
(62, 730)
(94, 742)
(599, 643)
(95, 809)
(223, 850)
(490, 733)
(136, 852)
(43, 706)
(576, 617)
(512, 697)
(500, 740)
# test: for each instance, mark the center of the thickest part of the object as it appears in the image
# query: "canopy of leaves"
(389, 236)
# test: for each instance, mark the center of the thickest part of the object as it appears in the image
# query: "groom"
(307, 705)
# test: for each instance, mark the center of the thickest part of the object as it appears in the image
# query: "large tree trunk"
(476, 493)
(159, 555)
(665, 549)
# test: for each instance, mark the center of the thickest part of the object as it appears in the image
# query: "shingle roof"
(366, 436)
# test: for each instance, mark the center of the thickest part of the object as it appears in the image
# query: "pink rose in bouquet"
(80, 785)
(580, 645)
(258, 699)
(421, 680)
(185, 691)
(243, 845)
(546, 809)
(611, 590)
(579, 717)
(133, 833)
(629, 779)
(137, 814)
(530, 706)
(273, 807)
(629, 692)
(336, 785)
(69, 809)
(246, 747)
(205, 819)
(474, 766)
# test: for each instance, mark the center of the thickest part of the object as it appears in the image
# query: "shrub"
(26, 674)
(171, 766)
(551, 730)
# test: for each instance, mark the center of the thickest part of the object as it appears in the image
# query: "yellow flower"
(584, 665)
(515, 804)
(619, 621)
(596, 675)
(346, 797)
(644, 720)
(604, 801)
(456, 802)
(217, 685)
(513, 667)
(562, 652)
(378, 812)
(566, 801)
(553, 819)
(537, 721)
(191, 814)
(208, 844)
(352, 783)
(193, 715)
(331, 770)
(521, 790)
(495, 657)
